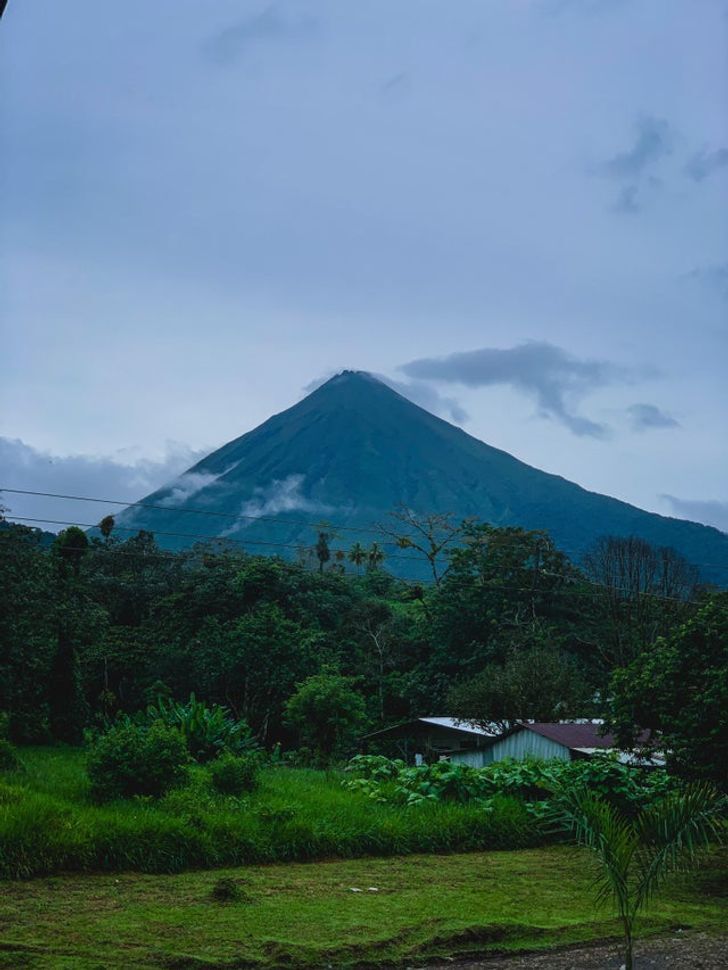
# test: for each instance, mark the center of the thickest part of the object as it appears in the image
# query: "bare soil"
(680, 952)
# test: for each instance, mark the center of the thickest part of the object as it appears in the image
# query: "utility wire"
(194, 511)
(227, 515)
(180, 555)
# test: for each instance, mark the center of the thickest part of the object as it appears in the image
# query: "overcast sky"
(515, 209)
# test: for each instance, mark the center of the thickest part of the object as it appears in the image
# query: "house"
(430, 738)
(567, 741)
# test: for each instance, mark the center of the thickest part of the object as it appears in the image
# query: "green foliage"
(235, 775)
(208, 730)
(532, 781)
(68, 710)
(536, 680)
(27, 633)
(679, 689)
(636, 856)
(50, 825)
(131, 759)
(327, 713)
(9, 759)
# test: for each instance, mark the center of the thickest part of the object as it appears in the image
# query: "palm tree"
(636, 855)
(357, 555)
(375, 556)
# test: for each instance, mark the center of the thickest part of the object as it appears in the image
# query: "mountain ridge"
(354, 448)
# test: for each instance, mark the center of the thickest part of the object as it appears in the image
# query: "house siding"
(519, 745)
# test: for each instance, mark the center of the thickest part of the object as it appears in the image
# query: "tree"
(678, 689)
(327, 712)
(641, 588)
(357, 555)
(375, 556)
(28, 631)
(430, 535)
(635, 856)
(323, 553)
(500, 583)
(537, 681)
(106, 526)
(67, 707)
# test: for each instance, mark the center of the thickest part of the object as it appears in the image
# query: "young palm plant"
(636, 855)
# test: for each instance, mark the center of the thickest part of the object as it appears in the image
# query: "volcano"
(352, 451)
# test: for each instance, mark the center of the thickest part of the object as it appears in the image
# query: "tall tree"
(678, 690)
(641, 589)
(323, 553)
(68, 710)
(357, 555)
(429, 535)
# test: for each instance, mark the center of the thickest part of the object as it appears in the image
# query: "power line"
(227, 515)
(193, 511)
(190, 535)
(475, 585)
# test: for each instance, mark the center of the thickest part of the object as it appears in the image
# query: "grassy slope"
(306, 915)
(47, 824)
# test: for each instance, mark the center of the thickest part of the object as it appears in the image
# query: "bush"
(9, 760)
(235, 775)
(228, 890)
(534, 782)
(208, 731)
(134, 760)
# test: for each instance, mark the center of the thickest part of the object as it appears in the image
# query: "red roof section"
(574, 735)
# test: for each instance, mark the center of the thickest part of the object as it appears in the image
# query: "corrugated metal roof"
(447, 723)
(491, 731)
(573, 735)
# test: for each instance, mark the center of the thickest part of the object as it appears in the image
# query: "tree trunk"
(628, 958)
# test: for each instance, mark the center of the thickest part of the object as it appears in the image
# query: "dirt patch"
(681, 952)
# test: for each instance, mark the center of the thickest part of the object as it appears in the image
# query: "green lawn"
(305, 915)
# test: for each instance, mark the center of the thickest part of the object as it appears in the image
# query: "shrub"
(234, 775)
(134, 760)
(227, 890)
(629, 789)
(208, 731)
(9, 760)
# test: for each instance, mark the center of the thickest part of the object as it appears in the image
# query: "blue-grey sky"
(516, 210)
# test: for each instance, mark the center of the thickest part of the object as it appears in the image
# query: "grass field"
(306, 915)
(48, 824)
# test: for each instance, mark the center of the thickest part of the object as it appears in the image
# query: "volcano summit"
(353, 450)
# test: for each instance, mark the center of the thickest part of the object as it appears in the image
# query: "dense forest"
(507, 628)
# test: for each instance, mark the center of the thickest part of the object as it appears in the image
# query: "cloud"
(395, 86)
(652, 142)
(707, 511)
(714, 275)
(634, 166)
(543, 371)
(429, 398)
(424, 395)
(648, 416)
(281, 495)
(97, 476)
(190, 484)
(270, 25)
(705, 163)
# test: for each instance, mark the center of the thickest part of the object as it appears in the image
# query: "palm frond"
(598, 826)
(673, 832)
